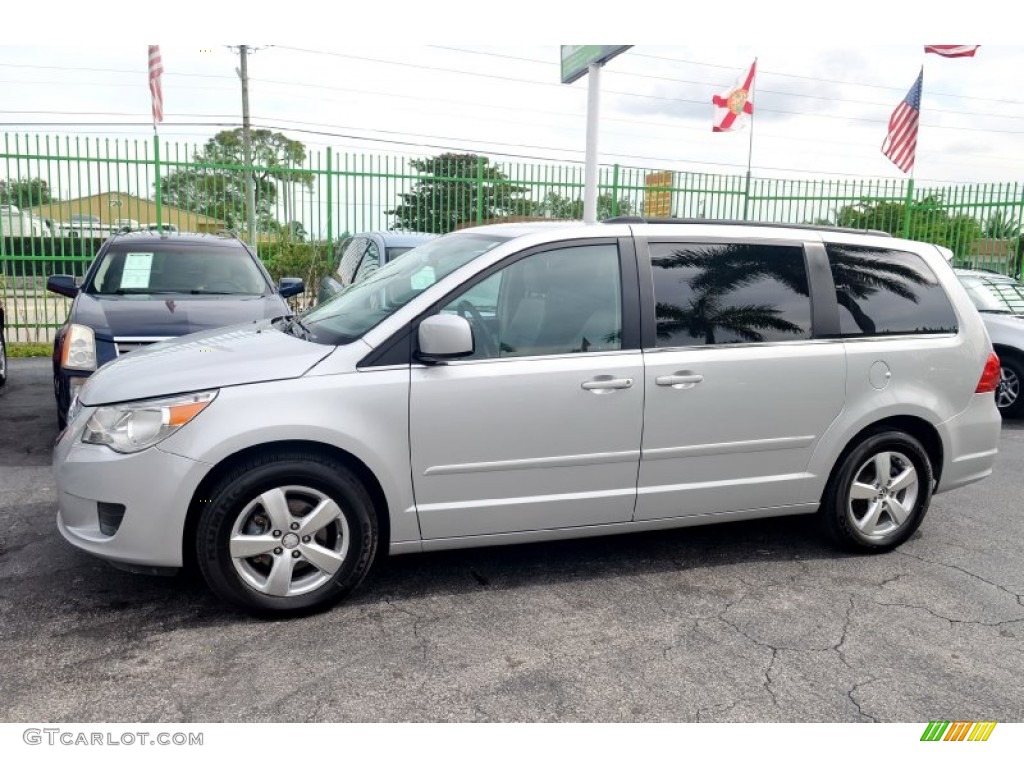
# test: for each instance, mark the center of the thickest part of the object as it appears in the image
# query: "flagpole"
(750, 154)
(910, 183)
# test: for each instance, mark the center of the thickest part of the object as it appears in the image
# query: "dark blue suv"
(145, 287)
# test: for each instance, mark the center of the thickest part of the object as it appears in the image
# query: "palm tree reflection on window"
(708, 309)
(860, 274)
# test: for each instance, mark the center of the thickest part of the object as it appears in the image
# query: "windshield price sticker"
(137, 268)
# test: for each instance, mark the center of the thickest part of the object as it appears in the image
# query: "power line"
(900, 89)
(627, 94)
(632, 54)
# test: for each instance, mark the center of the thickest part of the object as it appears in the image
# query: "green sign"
(576, 58)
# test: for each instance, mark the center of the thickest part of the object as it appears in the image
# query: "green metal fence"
(60, 197)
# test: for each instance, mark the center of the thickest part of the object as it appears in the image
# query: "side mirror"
(444, 337)
(290, 286)
(62, 284)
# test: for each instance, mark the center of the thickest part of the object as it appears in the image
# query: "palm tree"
(1001, 226)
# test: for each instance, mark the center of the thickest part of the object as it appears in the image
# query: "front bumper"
(154, 487)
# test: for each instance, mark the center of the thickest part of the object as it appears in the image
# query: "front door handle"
(679, 380)
(600, 385)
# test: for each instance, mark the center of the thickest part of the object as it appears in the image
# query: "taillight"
(990, 376)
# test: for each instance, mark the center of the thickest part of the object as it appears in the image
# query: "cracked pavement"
(760, 621)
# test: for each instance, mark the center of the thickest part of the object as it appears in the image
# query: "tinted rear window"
(883, 292)
(715, 293)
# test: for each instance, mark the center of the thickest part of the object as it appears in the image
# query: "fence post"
(746, 196)
(479, 190)
(156, 175)
(909, 203)
(615, 190)
(330, 204)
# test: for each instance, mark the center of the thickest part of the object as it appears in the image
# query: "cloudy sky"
(413, 80)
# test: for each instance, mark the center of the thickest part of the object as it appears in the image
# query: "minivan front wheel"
(879, 494)
(286, 533)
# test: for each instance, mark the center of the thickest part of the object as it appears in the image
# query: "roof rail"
(737, 222)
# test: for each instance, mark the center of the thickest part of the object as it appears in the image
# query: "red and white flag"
(733, 108)
(156, 71)
(952, 51)
(900, 143)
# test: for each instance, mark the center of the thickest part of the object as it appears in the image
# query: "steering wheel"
(472, 314)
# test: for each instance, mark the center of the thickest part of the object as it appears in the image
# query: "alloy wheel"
(883, 494)
(1009, 388)
(289, 541)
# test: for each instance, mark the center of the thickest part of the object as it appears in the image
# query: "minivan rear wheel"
(879, 494)
(286, 533)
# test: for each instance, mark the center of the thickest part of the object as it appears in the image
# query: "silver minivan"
(537, 381)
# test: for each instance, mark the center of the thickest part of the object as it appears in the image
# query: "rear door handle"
(600, 385)
(679, 380)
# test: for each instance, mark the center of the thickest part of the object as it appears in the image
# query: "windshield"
(995, 295)
(366, 303)
(195, 270)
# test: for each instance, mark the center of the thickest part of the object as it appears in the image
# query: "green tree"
(556, 206)
(456, 189)
(214, 183)
(930, 221)
(25, 193)
(1001, 226)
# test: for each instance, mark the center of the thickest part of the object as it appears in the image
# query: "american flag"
(952, 51)
(156, 71)
(900, 145)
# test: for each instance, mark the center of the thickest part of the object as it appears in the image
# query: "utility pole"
(250, 193)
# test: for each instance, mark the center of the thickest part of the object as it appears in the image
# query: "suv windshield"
(158, 268)
(363, 305)
(995, 295)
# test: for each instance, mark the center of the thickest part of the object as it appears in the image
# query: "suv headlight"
(133, 427)
(79, 350)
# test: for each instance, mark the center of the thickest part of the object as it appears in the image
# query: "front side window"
(563, 301)
(369, 264)
(883, 292)
(729, 293)
(350, 258)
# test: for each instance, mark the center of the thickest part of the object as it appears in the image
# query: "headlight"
(133, 427)
(79, 350)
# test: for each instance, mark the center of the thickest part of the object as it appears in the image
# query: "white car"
(15, 223)
(536, 381)
(1000, 299)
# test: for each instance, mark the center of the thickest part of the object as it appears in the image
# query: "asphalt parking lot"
(739, 622)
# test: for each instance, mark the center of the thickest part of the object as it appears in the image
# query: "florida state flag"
(733, 108)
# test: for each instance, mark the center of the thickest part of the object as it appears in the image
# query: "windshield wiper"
(295, 327)
(137, 291)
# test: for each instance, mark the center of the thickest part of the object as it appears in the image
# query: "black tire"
(3, 360)
(1010, 393)
(237, 580)
(62, 407)
(849, 520)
